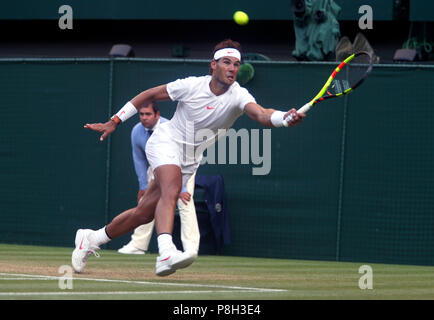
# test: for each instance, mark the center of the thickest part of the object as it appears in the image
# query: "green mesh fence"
(354, 182)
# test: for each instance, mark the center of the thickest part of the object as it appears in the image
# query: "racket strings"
(354, 72)
(339, 85)
(358, 68)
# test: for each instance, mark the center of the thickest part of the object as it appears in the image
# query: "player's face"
(225, 70)
(148, 117)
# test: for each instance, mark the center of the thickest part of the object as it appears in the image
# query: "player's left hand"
(107, 128)
(296, 117)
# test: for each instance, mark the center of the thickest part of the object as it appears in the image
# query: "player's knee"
(171, 193)
(172, 190)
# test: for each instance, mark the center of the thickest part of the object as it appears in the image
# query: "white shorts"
(161, 149)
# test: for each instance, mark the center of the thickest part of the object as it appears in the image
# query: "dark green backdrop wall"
(353, 182)
(176, 10)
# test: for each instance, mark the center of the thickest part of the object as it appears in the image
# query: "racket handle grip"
(303, 109)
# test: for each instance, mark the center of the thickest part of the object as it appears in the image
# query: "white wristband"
(126, 112)
(277, 119)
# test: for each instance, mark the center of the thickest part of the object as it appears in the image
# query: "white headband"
(227, 52)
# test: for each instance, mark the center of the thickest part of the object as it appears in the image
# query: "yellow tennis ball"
(241, 18)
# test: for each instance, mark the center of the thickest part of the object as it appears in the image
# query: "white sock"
(165, 243)
(99, 237)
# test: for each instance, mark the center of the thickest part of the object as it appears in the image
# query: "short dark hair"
(154, 106)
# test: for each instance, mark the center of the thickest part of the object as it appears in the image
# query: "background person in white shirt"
(150, 120)
(209, 103)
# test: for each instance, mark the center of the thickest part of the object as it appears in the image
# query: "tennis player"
(210, 102)
(150, 120)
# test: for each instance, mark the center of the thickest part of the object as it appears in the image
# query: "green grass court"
(32, 273)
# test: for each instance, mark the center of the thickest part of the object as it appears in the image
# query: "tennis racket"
(348, 75)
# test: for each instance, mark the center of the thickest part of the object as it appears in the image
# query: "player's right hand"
(107, 128)
(293, 118)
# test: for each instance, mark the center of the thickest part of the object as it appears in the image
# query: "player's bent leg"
(87, 241)
(131, 219)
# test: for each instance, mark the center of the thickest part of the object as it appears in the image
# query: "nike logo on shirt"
(210, 108)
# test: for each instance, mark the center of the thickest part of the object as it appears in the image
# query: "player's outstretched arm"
(142, 99)
(146, 97)
(270, 117)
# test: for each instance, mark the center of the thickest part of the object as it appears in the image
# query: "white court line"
(244, 289)
(75, 293)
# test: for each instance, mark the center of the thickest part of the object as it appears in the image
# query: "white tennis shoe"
(129, 249)
(83, 249)
(173, 260)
